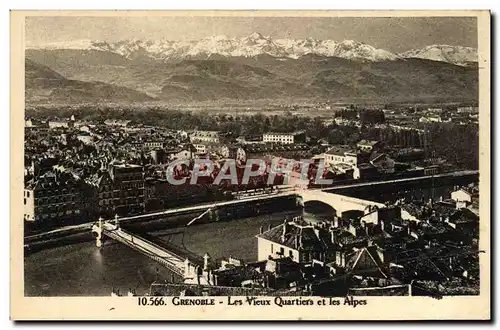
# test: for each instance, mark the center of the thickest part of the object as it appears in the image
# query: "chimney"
(285, 230)
(206, 261)
(337, 222)
(261, 230)
(269, 227)
(333, 236)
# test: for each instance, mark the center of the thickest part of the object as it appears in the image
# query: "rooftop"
(369, 143)
(126, 165)
(296, 236)
(288, 133)
(213, 134)
(339, 150)
(266, 147)
(365, 166)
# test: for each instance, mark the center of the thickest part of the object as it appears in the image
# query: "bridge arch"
(339, 203)
(315, 212)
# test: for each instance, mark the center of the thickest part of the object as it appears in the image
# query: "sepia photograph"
(227, 161)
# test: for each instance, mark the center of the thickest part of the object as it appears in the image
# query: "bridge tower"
(117, 221)
(189, 271)
(206, 261)
(97, 232)
(213, 214)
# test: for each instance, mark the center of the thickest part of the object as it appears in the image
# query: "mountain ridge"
(265, 77)
(257, 44)
(458, 55)
(256, 67)
(43, 84)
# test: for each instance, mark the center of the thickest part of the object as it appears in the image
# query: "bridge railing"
(122, 236)
(168, 264)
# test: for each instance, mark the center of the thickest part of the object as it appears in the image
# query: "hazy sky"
(394, 34)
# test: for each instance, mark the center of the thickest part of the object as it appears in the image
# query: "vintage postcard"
(250, 165)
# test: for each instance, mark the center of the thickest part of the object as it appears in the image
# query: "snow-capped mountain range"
(257, 44)
(445, 53)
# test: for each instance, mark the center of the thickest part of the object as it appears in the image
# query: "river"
(83, 270)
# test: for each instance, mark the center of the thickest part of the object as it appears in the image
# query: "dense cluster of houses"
(461, 115)
(117, 167)
(407, 248)
(76, 171)
(366, 160)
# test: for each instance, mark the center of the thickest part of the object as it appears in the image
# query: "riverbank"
(380, 191)
(177, 218)
(82, 269)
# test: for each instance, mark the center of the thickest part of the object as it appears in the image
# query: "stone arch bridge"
(339, 203)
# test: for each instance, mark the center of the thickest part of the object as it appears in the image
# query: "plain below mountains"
(89, 75)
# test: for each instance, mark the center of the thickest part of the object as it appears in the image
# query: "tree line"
(365, 116)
